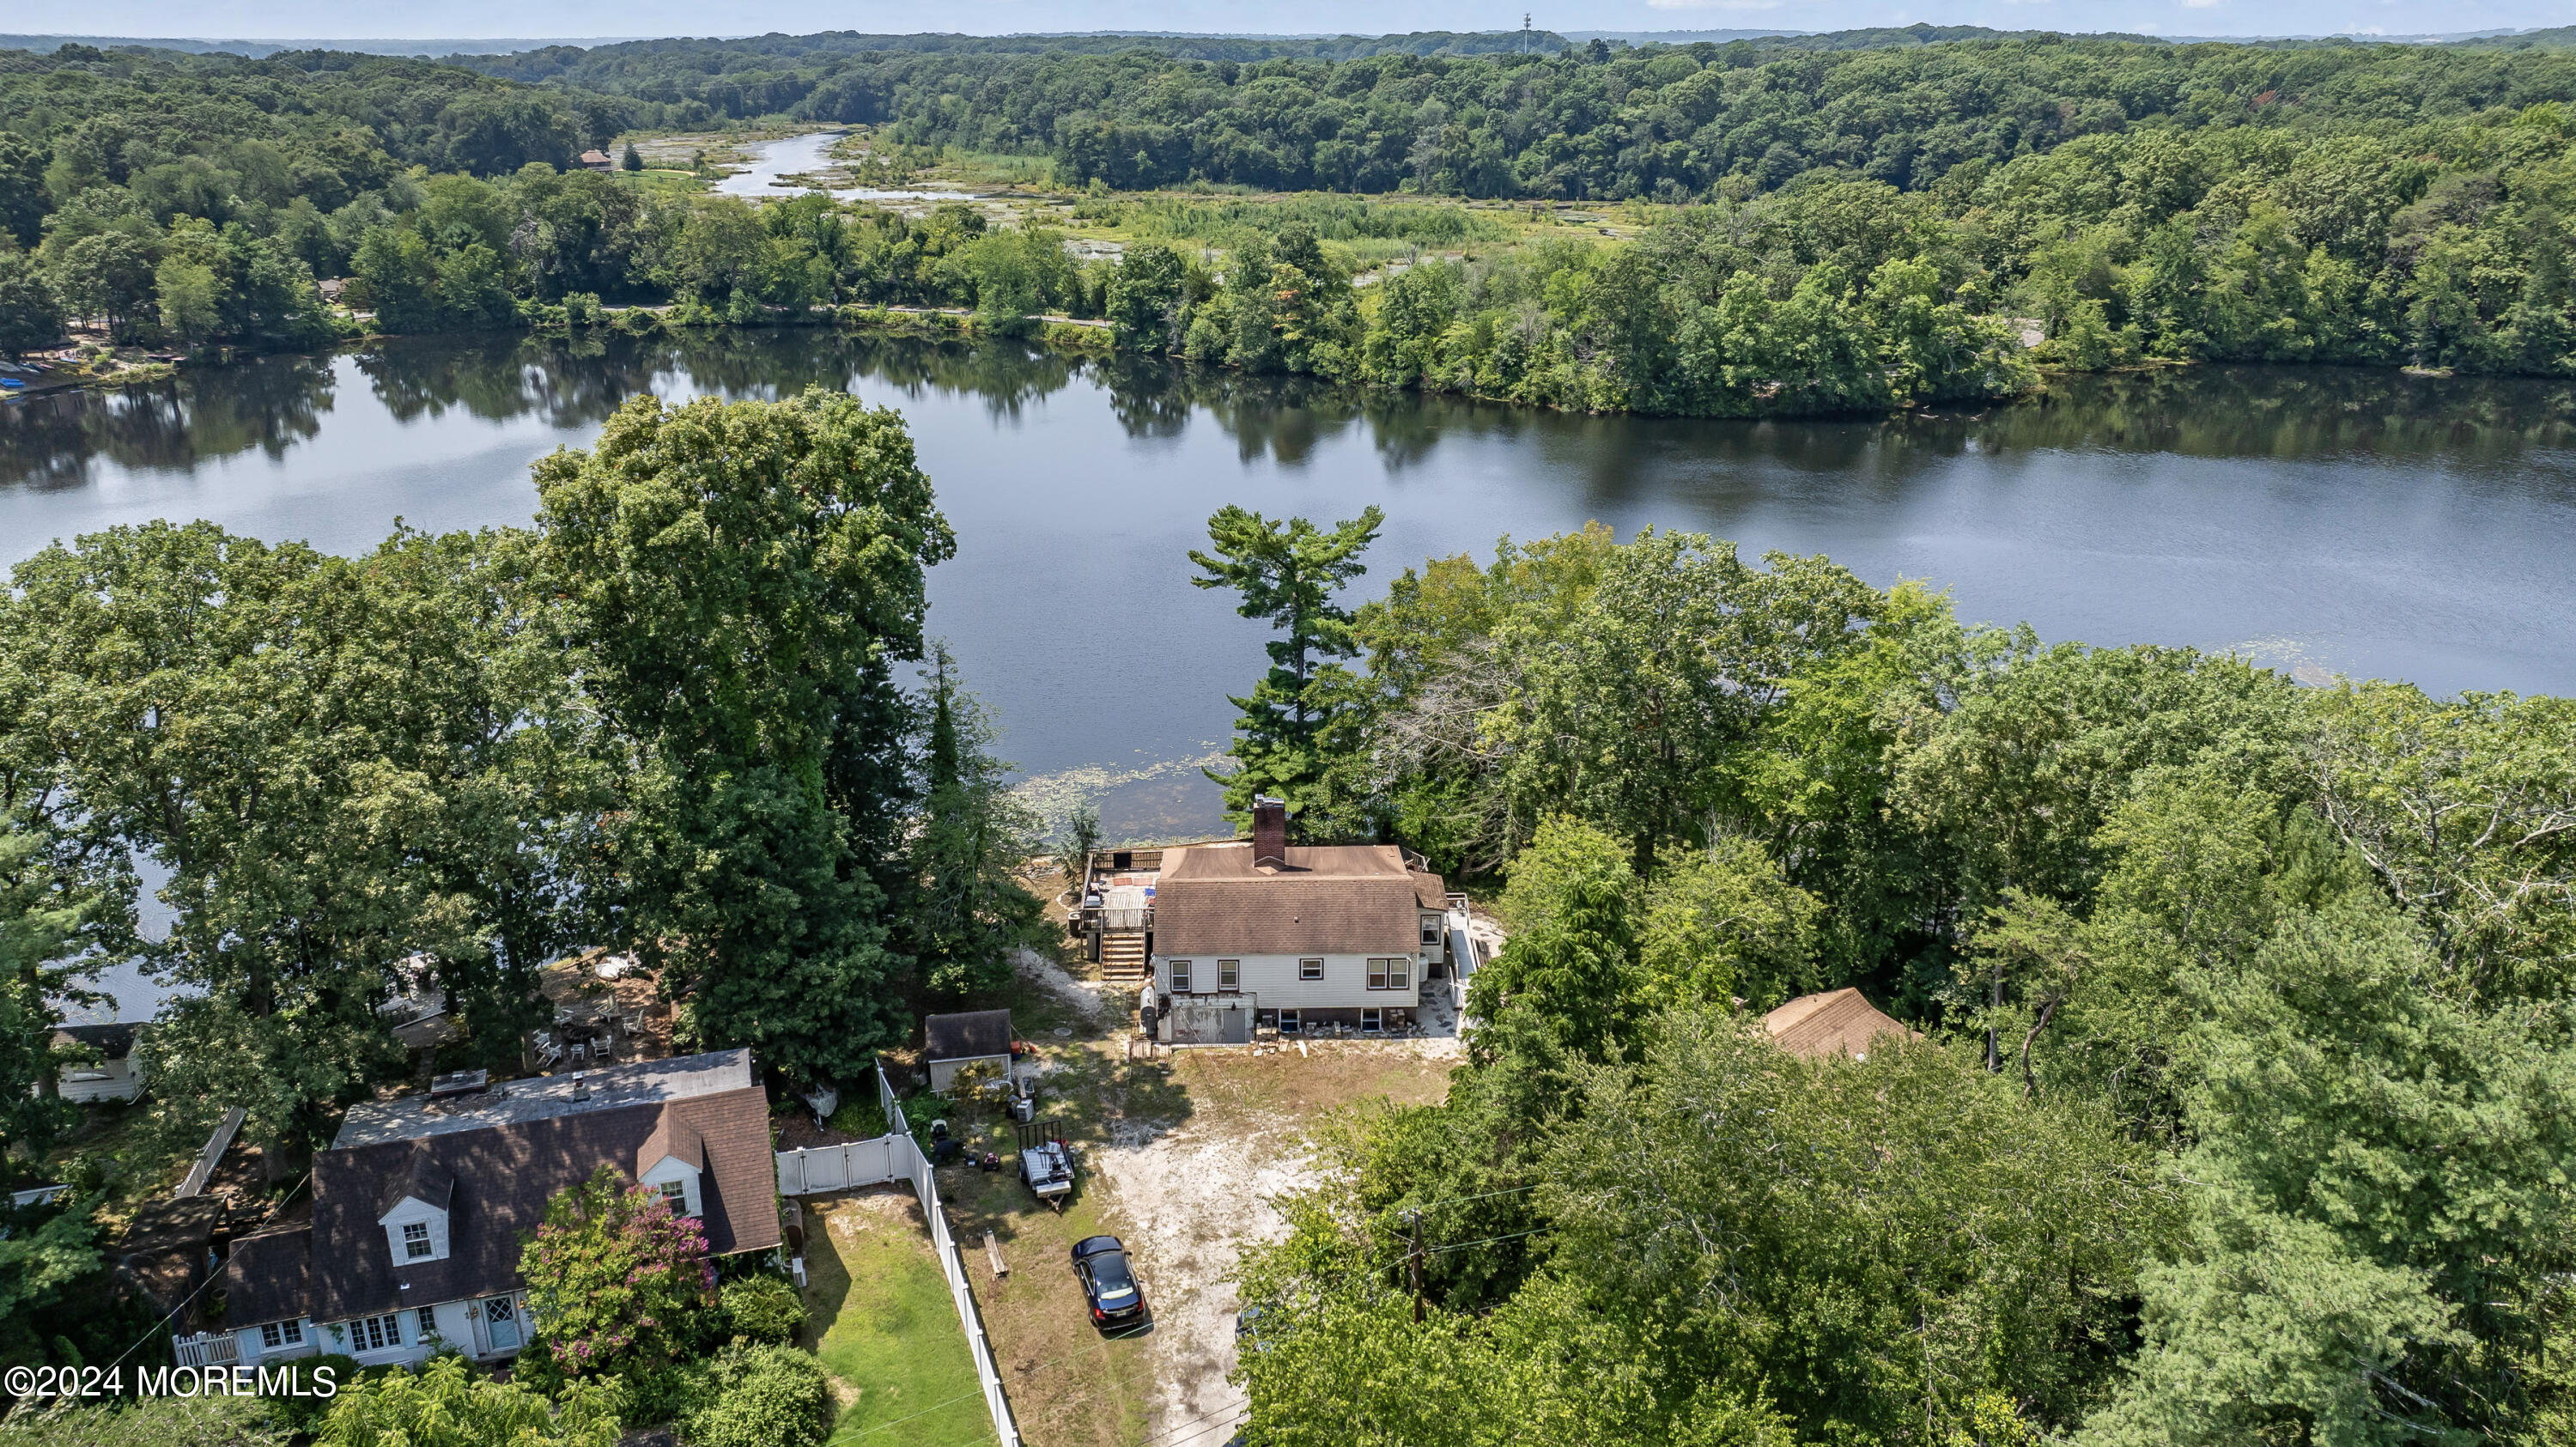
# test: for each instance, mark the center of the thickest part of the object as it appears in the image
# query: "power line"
(211, 1278)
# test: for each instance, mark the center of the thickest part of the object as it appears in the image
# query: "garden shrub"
(763, 1397)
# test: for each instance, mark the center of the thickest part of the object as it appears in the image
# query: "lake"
(2324, 521)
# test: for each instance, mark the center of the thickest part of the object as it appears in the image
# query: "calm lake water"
(2324, 521)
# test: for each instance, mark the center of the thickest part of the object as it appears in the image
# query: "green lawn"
(875, 1294)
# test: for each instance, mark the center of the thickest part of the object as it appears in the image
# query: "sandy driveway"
(1189, 1176)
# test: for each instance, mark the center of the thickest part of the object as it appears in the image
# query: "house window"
(675, 1194)
(1399, 974)
(428, 1322)
(376, 1333)
(1229, 974)
(1372, 1021)
(277, 1334)
(1180, 977)
(1288, 1022)
(1310, 969)
(416, 1245)
(1431, 934)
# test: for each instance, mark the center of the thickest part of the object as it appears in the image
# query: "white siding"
(672, 1168)
(409, 1211)
(254, 1343)
(456, 1326)
(110, 1080)
(408, 1352)
(944, 1071)
(1273, 979)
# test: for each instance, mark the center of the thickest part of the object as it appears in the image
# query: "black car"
(1117, 1301)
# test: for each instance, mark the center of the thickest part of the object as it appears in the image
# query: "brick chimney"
(1269, 832)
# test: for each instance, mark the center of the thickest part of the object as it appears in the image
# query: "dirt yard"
(1178, 1158)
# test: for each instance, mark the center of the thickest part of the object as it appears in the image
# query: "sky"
(388, 19)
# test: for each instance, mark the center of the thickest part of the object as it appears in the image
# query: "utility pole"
(1525, 32)
(1417, 1267)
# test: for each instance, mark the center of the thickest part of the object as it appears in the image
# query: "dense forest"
(1581, 123)
(2241, 1107)
(1820, 229)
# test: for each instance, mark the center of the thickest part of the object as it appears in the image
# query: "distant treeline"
(1850, 230)
(586, 65)
(1584, 123)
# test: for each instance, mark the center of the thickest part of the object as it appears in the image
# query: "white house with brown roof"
(1263, 934)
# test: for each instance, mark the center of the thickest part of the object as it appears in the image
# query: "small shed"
(953, 1042)
(598, 161)
(1839, 1022)
(115, 1075)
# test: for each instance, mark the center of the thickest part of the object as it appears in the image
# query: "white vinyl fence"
(817, 1169)
(894, 1156)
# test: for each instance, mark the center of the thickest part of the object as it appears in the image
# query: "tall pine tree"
(1301, 715)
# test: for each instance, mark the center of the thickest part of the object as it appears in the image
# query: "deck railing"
(206, 1349)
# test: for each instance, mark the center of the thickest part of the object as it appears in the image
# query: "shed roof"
(1335, 899)
(1838, 1022)
(970, 1035)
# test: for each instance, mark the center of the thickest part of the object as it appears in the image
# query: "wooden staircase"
(1122, 959)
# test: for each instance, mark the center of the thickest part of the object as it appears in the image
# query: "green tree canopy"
(740, 580)
(1287, 572)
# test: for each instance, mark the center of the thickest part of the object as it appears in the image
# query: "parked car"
(1109, 1285)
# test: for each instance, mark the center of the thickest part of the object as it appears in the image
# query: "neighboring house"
(1263, 934)
(421, 1205)
(597, 161)
(1840, 1022)
(950, 1043)
(116, 1075)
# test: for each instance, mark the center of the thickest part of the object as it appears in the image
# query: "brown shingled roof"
(505, 1170)
(672, 1137)
(1841, 1022)
(1341, 899)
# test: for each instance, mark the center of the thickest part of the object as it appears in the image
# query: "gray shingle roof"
(513, 1102)
(268, 1277)
(966, 1036)
(508, 1152)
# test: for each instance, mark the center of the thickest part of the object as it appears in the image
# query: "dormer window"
(413, 1210)
(672, 1164)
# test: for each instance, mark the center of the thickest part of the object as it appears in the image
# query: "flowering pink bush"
(616, 1281)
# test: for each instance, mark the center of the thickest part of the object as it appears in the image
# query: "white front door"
(501, 1324)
